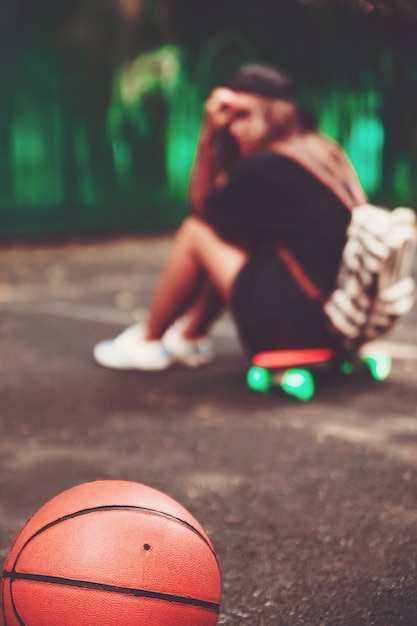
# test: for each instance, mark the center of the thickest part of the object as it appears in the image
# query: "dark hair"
(262, 80)
(307, 119)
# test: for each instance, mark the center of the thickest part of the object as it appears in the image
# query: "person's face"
(249, 126)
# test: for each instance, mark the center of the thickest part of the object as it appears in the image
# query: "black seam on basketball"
(112, 507)
(16, 612)
(130, 591)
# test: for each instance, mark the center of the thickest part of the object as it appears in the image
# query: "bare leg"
(198, 256)
(204, 311)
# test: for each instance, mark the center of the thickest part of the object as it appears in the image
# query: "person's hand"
(220, 108)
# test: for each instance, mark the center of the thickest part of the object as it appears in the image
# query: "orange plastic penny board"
(292, 358)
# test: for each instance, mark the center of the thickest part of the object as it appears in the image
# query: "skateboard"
(293, 370)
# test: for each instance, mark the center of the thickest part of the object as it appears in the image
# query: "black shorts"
(272, 312)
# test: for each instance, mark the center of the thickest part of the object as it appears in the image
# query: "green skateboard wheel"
(378, 364)
(259, 379)
(346, 366)
(298, 383)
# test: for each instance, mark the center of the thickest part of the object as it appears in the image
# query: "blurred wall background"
(100, 101)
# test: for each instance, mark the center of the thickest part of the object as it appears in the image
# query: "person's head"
(264, 81)
(266, 107)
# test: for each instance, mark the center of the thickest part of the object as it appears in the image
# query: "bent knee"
(194, 226)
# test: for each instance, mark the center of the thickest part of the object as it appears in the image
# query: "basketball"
(109, 553)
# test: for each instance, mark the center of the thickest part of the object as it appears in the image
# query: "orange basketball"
(111, 553)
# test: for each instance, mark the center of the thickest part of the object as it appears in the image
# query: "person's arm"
(211, 162)
(204, 170)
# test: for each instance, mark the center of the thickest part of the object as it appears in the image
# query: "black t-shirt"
(271, 200)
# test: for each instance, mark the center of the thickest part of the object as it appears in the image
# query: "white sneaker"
(130, 351)
(190, 352)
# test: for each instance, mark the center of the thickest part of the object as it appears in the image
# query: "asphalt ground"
(311, 507)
